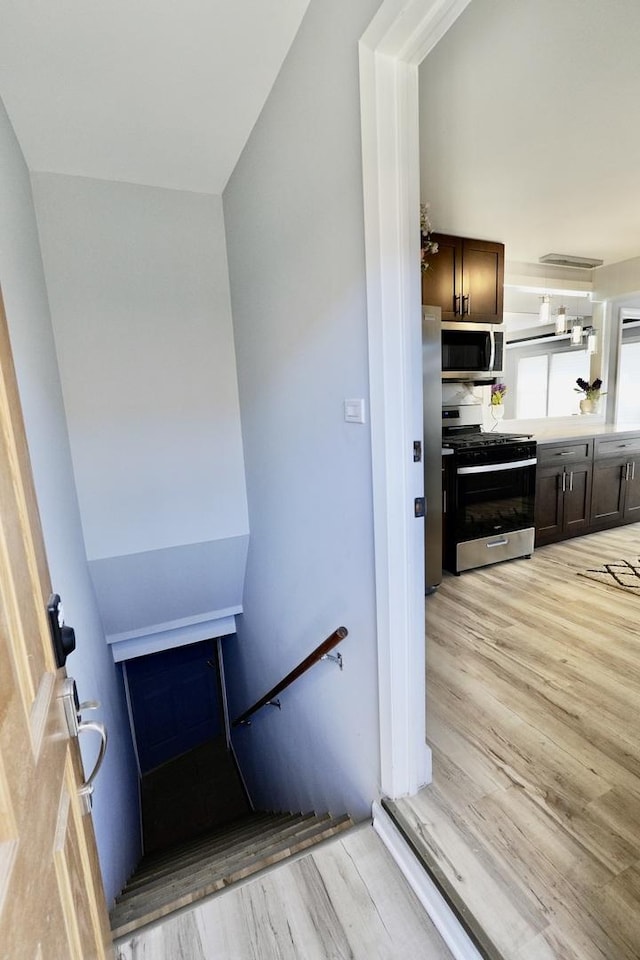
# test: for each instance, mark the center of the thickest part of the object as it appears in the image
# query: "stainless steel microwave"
(472, 351)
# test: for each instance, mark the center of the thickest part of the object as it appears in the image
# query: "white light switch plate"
(354, 411)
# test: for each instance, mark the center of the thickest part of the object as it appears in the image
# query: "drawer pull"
(563, 453)
(498, 543)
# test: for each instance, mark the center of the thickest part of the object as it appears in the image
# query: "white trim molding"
(398, 38)
(437, 908)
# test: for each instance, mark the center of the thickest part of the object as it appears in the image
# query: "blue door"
(175, 701)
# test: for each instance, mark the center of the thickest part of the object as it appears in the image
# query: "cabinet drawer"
(617, 447)
(558, 453)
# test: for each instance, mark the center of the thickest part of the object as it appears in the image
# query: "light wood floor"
(533, 817)
(346, 900)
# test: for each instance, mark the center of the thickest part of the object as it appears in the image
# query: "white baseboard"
(439, 911)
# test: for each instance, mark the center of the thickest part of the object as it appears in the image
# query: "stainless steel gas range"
(490, 490)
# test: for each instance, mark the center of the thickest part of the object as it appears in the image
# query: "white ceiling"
(529, 130)
(530, 127)
(146, 91)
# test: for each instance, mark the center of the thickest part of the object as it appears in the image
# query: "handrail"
(320, 651)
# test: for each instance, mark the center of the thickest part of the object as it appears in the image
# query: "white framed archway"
(399, 37)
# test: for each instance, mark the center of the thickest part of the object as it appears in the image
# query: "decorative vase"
(497, 411)
(588, 406)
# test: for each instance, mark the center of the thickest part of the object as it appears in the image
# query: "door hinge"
(417, 451)
(419, 507)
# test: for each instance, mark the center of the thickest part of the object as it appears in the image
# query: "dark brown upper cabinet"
(465, 278)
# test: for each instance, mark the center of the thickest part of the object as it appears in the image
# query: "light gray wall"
(25, 296)
(139, 292)
(294, 218)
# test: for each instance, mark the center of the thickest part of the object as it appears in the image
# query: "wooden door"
(442, 280)
(632, 493)
(549, 505)
(577, 499)
(607, 494)
(482, 281)
(51, 899)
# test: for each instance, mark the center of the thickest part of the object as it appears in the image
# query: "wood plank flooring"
(346, 900)
(532, 821)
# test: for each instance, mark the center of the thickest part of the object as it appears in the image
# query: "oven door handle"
(498, 467)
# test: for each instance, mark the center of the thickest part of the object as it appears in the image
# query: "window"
(532, 384)
(628, 394)
(566, 367)
(545, 382)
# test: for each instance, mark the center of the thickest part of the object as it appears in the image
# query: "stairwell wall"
(115, 811)
(295, 240)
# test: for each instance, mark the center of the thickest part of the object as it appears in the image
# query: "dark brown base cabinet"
(563, 490)
(616, 482)
(586, 485)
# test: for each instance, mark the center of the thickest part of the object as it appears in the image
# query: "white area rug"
(624, 574)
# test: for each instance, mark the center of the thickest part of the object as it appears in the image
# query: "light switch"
(354, 411)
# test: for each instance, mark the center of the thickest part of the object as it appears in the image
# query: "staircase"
(175, 878)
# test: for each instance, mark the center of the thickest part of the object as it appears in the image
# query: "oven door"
(494, 498)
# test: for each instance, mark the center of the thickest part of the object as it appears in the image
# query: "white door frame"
(399, 37)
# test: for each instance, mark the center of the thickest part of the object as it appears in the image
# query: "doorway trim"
(398, 38)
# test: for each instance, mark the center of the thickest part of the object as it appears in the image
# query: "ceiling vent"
(565, 260)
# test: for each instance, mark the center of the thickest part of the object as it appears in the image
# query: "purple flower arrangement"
(592, 391)
(498, 391)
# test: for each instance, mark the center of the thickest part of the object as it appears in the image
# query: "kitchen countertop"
(562, 434)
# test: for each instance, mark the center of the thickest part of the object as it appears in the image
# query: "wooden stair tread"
(139, 909)
(243, 845)
(210, 847)
(218, 832)
(209, 870)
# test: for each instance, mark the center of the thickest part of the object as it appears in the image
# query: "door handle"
(86, 790)
(456, 304)
(571, 482)
(564, 482)
(626, 471)
(633, 470)
(73, 710)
